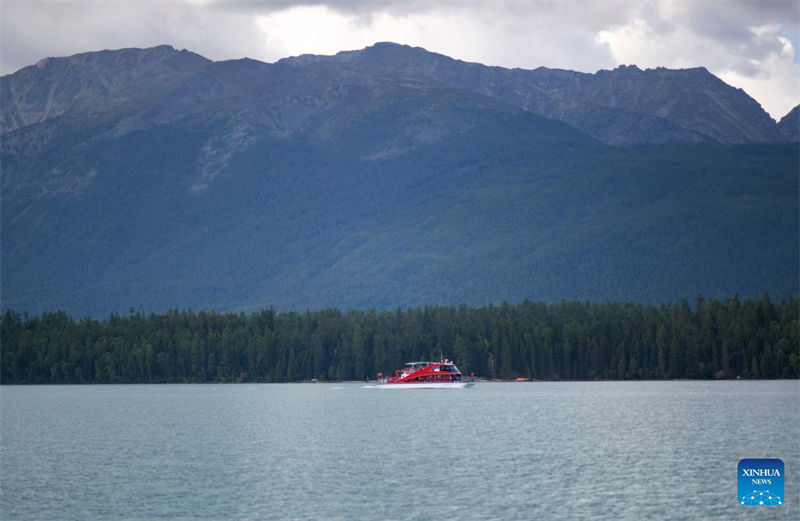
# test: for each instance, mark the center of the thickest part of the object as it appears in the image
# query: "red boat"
(425, 375)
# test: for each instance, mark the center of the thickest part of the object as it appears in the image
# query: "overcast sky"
(749, 44)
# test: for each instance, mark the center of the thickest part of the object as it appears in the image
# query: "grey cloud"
(513, 33)
(730, 23)
(343, 6)
(30, 31)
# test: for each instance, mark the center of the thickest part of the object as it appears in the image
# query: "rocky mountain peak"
(628, 68)
(54, 86)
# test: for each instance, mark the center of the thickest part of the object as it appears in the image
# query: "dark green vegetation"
(491, 214)
(570, 340)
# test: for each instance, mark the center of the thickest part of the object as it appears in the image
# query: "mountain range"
(388, 176)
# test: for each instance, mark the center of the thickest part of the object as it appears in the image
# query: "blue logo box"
(761, 482)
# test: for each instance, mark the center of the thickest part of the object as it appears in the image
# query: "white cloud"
(526, 43)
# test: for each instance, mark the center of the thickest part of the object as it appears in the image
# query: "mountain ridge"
(559, 94)
(600, 104)
(180, 182)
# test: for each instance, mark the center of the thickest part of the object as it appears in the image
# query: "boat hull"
(427, 385)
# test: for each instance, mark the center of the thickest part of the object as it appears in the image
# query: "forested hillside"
(569, 340)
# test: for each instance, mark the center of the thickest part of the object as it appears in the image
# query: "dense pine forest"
(565, 341)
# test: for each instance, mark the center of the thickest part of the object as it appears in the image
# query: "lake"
(538, 450)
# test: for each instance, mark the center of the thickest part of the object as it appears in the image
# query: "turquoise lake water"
(604, 450)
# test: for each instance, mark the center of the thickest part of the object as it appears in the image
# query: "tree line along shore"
(705, 339)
